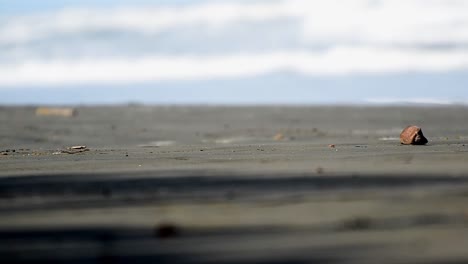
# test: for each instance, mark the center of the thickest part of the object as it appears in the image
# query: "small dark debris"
(357, 224)
(319, 170)
(75, 149)
(106, 192)
(166, 230)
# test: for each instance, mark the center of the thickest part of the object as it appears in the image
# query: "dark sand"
(230, 185)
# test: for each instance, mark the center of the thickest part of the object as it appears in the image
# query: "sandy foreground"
(174, 184)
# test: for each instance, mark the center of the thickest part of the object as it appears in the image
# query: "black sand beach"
(218, 184)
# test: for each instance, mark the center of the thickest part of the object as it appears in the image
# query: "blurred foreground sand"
(234, 184)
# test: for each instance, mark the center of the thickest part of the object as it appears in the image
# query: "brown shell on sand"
(412, 135)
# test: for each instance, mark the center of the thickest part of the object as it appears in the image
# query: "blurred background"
(234, 51)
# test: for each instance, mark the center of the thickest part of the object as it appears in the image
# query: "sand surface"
(173, 184)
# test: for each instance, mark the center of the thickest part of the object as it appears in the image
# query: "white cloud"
(343, 21)
(142, 20)
(337, 61)
(357, 36)
(387, 22)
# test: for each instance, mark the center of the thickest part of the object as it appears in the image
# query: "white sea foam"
(233, 140)
(389, 139)
(414, 101)
(159, 143)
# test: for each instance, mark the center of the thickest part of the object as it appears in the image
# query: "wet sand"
(173, 184)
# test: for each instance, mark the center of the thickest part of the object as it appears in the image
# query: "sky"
(234, 51)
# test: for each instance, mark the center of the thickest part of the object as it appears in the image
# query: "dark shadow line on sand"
(95, 183)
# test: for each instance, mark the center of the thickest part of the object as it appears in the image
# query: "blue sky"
(228, 51)
(32, 6)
